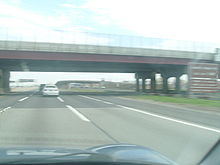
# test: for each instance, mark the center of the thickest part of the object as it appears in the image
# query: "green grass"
(179, 100)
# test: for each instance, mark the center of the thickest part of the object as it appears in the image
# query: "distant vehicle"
(50, 90)
(74, 85)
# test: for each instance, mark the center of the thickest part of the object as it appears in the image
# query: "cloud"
(181, 20)
(11, 13)
(187, 20)
(22, 24)
(68, 5)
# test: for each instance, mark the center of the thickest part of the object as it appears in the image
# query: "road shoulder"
(188, 107)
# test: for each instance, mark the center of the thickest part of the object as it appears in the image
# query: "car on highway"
(50, 90)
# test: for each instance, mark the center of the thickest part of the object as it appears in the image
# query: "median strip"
(171, 119)
(23, 99)
(81, 116)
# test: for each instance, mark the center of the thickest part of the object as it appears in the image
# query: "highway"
(81, 121)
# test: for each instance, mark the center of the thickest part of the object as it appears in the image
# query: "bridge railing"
(60, 40)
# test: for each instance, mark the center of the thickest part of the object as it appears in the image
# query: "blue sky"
(61, 15)
(193, 20)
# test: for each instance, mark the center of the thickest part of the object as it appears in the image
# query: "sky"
(60, 20)
(195, 20)
(52, 78)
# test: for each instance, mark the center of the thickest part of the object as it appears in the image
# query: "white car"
(50, 90)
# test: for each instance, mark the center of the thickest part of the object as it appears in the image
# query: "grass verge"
(180, 100)
(82, 90)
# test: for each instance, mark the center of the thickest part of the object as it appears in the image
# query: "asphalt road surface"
(81, 121)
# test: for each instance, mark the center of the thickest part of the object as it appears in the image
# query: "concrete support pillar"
(143, 85)
(143, 77)
(177, 84)
(1, 82)
(153, 83)
(4, 81)
(172, 72)
(165, 85)
(137, 85)
(137, 76)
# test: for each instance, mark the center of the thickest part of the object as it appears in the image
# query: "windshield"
(77, 74)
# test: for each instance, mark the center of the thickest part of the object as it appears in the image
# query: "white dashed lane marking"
(23, 99)
(60, 99)
(81, 116)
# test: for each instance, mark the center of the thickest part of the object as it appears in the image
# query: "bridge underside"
(144, 67)
(78, 66)
(143, 71)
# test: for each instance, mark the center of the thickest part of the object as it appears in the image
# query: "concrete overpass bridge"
(60, 57)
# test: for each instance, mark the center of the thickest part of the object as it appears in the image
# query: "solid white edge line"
(23, 99)
(174, 106)
(3, 110)
(161, 117)
(6, 108)
(60, 99)
(106, 102)
(90, 98)
(81, 116)
(171, 119)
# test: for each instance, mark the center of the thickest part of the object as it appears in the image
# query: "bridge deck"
(94, 49)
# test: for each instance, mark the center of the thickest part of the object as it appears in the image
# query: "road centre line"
(81, 116)
(171, 119)
(162, 117)
(23, 99)
(60, 99)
